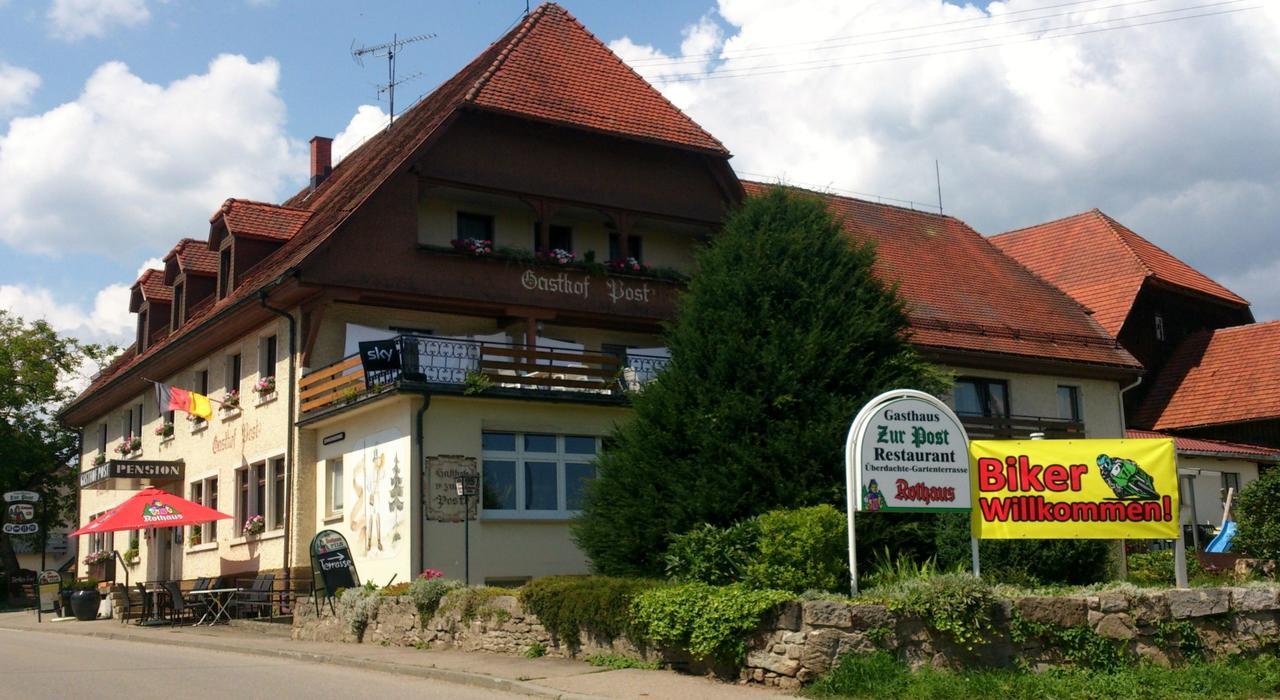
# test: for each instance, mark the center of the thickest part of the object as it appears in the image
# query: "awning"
(131, 474)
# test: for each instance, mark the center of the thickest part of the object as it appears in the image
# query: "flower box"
(254, 526)
(474, 246)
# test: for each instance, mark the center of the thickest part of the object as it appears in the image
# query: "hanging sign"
(20, 513)
(332, 567)
(444, 502)
(1075, 489)
(907, 451)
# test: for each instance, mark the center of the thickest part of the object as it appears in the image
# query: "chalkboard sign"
(332, 567)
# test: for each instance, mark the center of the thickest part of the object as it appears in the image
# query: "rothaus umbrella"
(151, 507)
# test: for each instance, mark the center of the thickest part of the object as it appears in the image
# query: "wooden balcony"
(1020, 427)
(477, 367)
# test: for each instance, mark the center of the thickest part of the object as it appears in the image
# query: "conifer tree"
(783, 334)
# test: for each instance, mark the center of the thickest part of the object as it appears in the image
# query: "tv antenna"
(389, 49)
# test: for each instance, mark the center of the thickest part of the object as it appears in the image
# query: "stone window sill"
(202, 547)
(265, 399)
(268, 535)
(230, 414)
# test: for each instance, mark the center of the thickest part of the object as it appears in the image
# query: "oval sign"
(907, 451)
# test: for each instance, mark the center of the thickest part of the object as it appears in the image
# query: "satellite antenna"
(389, 49)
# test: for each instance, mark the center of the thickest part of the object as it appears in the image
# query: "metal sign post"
(468, 487)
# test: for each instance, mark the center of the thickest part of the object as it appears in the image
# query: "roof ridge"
(502, 56)
(850, 198)
(1111, 226)
(1060, 219)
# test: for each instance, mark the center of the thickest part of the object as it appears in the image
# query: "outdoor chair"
(147, 611)
(257, 597)
(178, 605)
(129, 602)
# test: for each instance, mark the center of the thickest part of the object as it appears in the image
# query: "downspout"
(1123, 559)
(289, 437)
(422, 485)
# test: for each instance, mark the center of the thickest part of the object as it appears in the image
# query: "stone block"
(865, 617)
(1255, 599)
(790, 616)
(1116, 626)
(820, 650)
(1112, 602)
(1053, 610)
(1199, 602)
(1256, 624)
(793, 638)
(1150, 608)
(773, 663)
(827, 613)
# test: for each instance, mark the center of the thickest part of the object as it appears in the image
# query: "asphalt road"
(37, 665)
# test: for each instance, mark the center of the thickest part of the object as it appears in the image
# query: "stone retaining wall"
(805, 637)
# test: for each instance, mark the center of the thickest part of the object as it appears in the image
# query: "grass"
(882, 676)
(615, 662)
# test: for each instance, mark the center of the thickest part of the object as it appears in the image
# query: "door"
(162, 541)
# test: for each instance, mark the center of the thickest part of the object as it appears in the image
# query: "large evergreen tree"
(783, 334)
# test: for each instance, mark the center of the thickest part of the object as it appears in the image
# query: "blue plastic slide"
(1222, 543)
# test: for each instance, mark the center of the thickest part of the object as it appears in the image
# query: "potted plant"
(194, 539)
(230, 401)
(626, 265)
(85, 599)
(165, 430)
(475, 246)
(99, 460)
(265, 387)
(129, 445)
(131, 556)
(254, 526)
(557, 256)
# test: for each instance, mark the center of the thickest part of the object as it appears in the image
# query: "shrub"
(801, 549)
(427, 592)
(395, 589)
(360, 605)
(1156, 568)
(600, 605)
(471, 603)
(1026, 562)
(1257, 513)
(708, 621)
(958, 604)
(713, 555)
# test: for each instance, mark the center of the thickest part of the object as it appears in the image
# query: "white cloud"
(129, 167)
(76, 19)
(107, 321)
(1172, 128)
(151, 264)
(366, 122)
(17, 85)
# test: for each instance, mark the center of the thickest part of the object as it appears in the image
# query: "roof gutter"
(289, 471)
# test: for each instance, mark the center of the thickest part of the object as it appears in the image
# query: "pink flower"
(429, 574)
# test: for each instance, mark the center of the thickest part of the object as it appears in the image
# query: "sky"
(124, 124)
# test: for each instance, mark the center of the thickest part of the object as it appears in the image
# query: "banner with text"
(1075, 489)
(909, 454)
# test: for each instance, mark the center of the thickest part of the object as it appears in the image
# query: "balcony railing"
(1020, 427)
(481, 365)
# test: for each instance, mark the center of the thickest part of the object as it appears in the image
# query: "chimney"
(321, 159)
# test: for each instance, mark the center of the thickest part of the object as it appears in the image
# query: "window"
(176, 319)
(1230, 480)
(1069, 403)
(224, 272)
(478, 226)
(126, 426)
(233, 373)
(634, 248)
(142, 330)
(267, 360)
(138, 421)
(277, 494)
(558, 236)
(260, 490)
(204, 492)
(102, 439)
(1159, 327)
(536, 474)
(982, 397)
(333, 486)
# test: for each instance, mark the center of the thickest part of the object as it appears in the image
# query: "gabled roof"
(1211, 448)
(192, 257)
(149, 287)
(514, 74)
(1230, 375)
(243, 217)
(554, 69)
(964, 294)
(1103, 264)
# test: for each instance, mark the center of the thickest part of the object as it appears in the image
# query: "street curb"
(468, 678)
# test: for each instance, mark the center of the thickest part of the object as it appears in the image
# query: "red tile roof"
(1211, 448)
(149, 287)
(1230, 375)
(190, 256)
(964, 294)
(261, 220)
(1103, 264)
(554, 69)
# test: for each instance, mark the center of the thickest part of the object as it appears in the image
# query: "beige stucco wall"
(228, 441)
(1207, 482)
(1037, 395)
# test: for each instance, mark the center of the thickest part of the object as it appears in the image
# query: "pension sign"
(908, 452)
(1075, 489)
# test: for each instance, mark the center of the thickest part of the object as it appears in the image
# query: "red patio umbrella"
(151, 507)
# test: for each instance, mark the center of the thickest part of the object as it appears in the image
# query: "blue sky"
(121, 129)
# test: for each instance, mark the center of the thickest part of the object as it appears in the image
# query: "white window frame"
(267, 508)
(209, 530)
(333, 484)
(520, 457)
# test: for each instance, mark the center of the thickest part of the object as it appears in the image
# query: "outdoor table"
(218, 604)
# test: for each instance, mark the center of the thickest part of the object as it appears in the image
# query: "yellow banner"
(1074, 489)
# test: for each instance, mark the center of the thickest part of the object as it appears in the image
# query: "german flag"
(171, 398)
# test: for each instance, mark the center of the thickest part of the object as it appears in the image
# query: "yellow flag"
(200, 406)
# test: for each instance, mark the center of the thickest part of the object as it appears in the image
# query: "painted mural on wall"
(377, 519)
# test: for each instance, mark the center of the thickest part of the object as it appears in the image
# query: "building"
(438, 240)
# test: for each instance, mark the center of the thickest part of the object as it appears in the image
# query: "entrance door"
(162, 541)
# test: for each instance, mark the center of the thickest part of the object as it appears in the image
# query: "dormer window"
(224, 272)
(141, 342)
(176, 320)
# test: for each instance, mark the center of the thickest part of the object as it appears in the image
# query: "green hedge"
(711, 622)
(598, 604)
